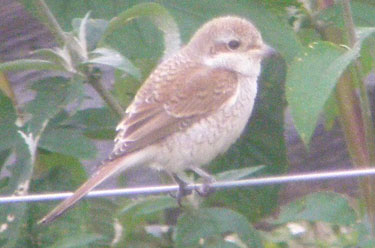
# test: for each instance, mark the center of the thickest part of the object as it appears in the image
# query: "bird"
(191, 108)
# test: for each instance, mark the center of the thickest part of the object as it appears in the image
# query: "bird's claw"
(206, 189)
(182, 190)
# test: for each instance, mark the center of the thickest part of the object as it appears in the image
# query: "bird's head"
(232, 43)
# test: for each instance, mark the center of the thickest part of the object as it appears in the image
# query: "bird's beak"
(268, 51)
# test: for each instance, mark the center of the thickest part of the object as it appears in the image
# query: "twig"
(94, 81)
(51, 22)
(369, 131)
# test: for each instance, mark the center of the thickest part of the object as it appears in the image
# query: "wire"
(216, 185)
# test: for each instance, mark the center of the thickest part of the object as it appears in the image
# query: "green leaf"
(219, 243)
(4, 155)
(82, 37)
(363, 33)
(53, 94)
(5, 87)
(363, 14)
(207, 222)
(159, 16)
(58, 56)
(29, 64)
(149, 205)
(364, 239)
(115, 59)
(324, 63)
(77, 240)
(69, 142)
(237, 173)
(8, 126)
(125, 88)
(94, 29)
(307, 94)
(98, 123)
(63, 172)
(323, 206)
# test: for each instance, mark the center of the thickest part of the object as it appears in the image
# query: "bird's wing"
(170, 103)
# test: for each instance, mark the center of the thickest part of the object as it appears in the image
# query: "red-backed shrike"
(192, 107)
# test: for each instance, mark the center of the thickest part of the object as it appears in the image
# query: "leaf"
(58, 56)
(98, 123)
(77, 240)
(324, 63)
(149, 205)
(62, 171)
(94, 30)
(8, 133)
(237, 173)
(29, 64)
(53, 95)
(115, 59)
(363, 33)
(159, 16)
(363, 231)
(82, 37)
(69, 142)
(5, 87)
(207, 222)
(4, 155)
(306, 95)
(323, 206)
(217, 243)
(363, 14)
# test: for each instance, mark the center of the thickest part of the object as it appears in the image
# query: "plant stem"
(368, 184)
(94, 81)
(364, 101)
(60, 36)
(50, 21)
(351, 120)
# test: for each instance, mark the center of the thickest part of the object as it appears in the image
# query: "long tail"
(107, 170)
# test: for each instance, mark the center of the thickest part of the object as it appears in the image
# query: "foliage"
(50, 135)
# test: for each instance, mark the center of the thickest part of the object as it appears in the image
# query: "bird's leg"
(182, 191)
(207, 180)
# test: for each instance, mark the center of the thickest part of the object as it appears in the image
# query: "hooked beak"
(268, 51)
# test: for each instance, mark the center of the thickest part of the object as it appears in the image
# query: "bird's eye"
(234, 44)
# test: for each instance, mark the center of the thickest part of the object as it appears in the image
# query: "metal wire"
(217, 185)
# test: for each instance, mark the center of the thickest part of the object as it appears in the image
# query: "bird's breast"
(204, 140)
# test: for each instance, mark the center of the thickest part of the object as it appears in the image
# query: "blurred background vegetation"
(69, 69)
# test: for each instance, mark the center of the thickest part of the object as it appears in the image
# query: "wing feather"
(168, 104)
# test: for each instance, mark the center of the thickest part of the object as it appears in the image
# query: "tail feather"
(98, 177)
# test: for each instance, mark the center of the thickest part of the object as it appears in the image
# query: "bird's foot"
(182, 190)
(206, 189)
